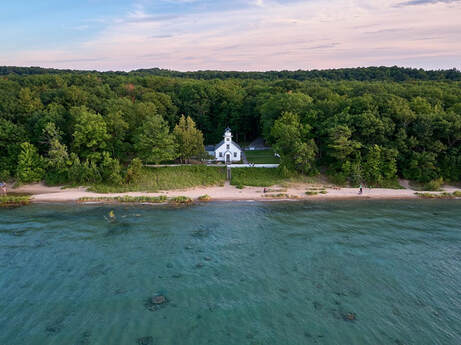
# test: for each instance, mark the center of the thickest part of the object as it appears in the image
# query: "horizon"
(244, 35)
(231, 71)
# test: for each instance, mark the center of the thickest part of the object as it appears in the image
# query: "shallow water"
(232, 273)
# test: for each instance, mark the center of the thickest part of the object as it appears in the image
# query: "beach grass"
(256, 177)
(14, 200)
(280, 196)
(168, 178)
(127, 199)
(262, 157)
(205, 197)
(444, 195)
(180, 200)
(266, 177)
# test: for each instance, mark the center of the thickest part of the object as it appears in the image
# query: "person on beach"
(360, 189)
(3, 188)
(265, 190)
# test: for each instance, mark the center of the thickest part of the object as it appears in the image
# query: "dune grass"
(168, 178)
(257, 177)
(444, 195)
(127, 199)
(205, 197)
(262, 157)
(14, 200)
(265, 177)
(180, 200)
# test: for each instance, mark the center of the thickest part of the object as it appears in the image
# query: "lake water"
(349, 272)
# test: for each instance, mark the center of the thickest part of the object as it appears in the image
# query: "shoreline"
(227, 193)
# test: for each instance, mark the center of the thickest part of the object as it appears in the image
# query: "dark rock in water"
(145, 341)
(207, 258)
(119, 291)
(290, 315)
(317, 305)
(350, 317)
(169, 265)
(188, 247)
(307, 335)
(177, 275)
(201, 233)
(158, 299)
(199, 265)
(84, 339)
(156, 302)
(53, 329)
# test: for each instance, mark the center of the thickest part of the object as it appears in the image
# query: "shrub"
(205, 197)
(434, 185)
(30, 165)
(10, 201)
(181, 200)
(110, 169)
(457, 194)
(311, 193)
(134, 171)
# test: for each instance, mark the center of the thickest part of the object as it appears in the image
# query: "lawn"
(262, 157)
(166, 178)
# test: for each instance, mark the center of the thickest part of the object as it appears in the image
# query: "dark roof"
(227, 129)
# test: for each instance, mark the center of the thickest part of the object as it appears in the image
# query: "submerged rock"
(350, 317)
(156, 302)
(145, 341)
(158, 299)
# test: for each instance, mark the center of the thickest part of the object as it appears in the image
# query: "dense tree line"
(360, 74)
(89, 126)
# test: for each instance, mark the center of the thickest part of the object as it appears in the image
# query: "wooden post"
(229, 173)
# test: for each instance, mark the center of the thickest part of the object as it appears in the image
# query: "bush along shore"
(14, 201)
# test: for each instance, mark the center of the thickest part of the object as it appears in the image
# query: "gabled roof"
(233, 142)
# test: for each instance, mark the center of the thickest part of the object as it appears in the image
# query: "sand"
(42, 193)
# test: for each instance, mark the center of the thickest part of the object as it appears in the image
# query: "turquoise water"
(350, 272)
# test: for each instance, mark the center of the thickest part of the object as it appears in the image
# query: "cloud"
(424, 2)
(278, 35)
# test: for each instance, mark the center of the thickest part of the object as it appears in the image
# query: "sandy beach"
(42, 193)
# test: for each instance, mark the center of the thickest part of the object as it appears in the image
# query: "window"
(228, 146)
(235, 154)
(220, 154)
(227, 139)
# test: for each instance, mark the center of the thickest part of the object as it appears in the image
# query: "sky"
(243, 35)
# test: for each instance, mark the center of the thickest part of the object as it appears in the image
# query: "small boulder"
(159, 299)
(350, 317)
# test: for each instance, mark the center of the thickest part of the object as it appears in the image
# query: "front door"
(228, 157)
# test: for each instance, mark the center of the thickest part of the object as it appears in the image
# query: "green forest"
(355, 125)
